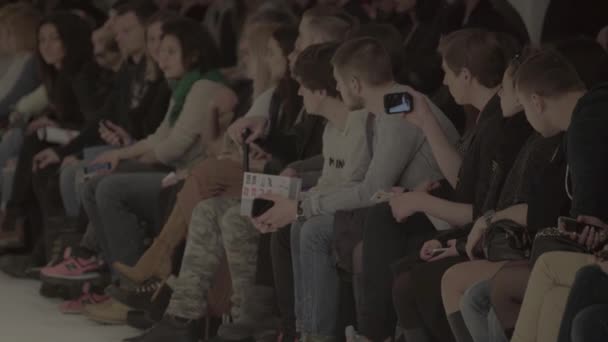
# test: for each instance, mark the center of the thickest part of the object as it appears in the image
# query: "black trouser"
(385, 241)
(585, 315)
(23, 202)
(417, 297)
(280, 249)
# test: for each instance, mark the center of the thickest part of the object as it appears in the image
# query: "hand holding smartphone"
(260, 207)
(438, 251)
(95, 169)
(398, 103)
(570, 225)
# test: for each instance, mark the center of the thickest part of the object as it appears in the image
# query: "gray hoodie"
(401, 156)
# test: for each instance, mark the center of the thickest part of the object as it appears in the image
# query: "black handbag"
(552, 240)
(506, 240)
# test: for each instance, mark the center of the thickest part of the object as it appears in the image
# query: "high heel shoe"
(155, 263)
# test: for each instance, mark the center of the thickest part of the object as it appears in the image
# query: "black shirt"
(587, 154)
(512, 137)
(480, 145)
(140, 113)
(534, 157)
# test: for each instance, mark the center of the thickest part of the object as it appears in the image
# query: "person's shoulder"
(203, 86)
(593, 105)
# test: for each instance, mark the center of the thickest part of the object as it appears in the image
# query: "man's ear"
(355, 85)
(321, 94)
(539, 103)
(466, 74)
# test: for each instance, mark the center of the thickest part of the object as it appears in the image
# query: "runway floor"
(25, 316)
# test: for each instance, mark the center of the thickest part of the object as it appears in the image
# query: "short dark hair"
(314, 70)
(143, 9)
(198, 47)
(485, 54)
(547, 73)
(367, 59)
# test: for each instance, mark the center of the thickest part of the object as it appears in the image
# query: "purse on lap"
(505, 240)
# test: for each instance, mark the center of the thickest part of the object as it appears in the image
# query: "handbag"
(506, 240)
(553, 239)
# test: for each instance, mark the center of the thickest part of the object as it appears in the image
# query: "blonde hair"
(257, 37)
(21, 22)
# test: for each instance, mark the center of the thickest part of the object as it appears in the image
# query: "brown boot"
(157, 260)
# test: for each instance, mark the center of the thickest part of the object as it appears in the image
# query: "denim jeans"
(479, 316)
(71, 180)
(316, 279)
(116, 204)
(586, 316)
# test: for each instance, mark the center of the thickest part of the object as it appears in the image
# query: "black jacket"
(587, 154)
(139, 121)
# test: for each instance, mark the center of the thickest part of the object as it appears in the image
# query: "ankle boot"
(157, 260)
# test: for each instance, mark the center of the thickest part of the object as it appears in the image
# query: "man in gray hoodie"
(401, 156)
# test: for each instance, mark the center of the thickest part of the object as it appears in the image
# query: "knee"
(475, 297)
(587, 324)
(451, 280)
(315, 237)
(108, 190)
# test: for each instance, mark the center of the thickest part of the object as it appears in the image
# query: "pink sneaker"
(76, 306)
(72, 268)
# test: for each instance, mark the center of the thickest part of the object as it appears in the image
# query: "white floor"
(27, 317)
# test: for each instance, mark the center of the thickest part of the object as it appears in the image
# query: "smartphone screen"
(260, 206)
(398, 103)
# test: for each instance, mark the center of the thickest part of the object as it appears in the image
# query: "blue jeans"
(479, 316)
(586, 315)
(116, 204)
(71, 180)
(316, 281)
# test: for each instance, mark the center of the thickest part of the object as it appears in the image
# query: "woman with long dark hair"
(64, 54)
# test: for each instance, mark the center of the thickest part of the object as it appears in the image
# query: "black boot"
(171, 329)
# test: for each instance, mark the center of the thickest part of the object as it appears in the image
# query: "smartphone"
(260, 206)
(571, 225)
(438, 251)
(398, 103)
(95, 168)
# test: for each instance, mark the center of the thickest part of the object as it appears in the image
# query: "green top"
(181, 89)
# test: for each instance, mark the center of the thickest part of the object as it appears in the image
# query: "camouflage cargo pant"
(216, 226)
